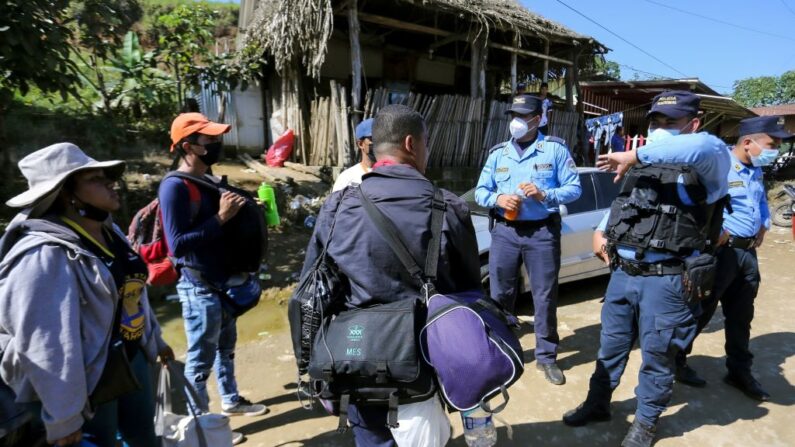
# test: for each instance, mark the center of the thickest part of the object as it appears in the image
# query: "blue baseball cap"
(772, 125)
(364, 129)
(524, 104)
(675, 104)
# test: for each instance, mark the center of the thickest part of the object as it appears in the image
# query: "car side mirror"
(563, 210)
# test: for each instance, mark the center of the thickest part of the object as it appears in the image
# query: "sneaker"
(237, 437)
(243, 407)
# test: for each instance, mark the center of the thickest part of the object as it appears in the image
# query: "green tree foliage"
(35, 47)
(100, 26)
(34, 52)
(184, 37)
(600, 68)
(765, 90)
(141, 87)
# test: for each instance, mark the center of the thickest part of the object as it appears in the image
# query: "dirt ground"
(717, 415)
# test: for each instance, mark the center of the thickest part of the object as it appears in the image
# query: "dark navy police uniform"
(738, 275)
(375, 273)
(534, 237)
(645, 300)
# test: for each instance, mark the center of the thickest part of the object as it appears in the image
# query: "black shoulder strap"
(203, 181)
(392, 237)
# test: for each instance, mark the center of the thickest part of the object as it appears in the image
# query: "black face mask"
(371, 154)
(91, 212)
(213, 153)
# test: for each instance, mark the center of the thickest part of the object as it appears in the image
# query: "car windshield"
(474, 208)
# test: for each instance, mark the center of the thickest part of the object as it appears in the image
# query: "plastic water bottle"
(479, 429)
(268, 197)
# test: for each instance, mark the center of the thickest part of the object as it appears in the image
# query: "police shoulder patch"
(552, 139)
(571, 164)
(497, 147)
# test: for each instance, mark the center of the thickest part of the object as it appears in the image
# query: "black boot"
(687, 375)
(596, 408)
(639, 435)
(746, 383)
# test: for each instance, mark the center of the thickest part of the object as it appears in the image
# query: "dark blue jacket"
(375, 273)
(195, 242)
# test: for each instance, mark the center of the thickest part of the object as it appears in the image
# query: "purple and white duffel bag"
(469, 343)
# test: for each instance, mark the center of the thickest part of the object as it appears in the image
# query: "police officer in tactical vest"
(659, 232)
(738, 268)
(524, 181)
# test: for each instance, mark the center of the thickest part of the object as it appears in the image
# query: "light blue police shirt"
(748, 199)
(546, 163)
(708, 156)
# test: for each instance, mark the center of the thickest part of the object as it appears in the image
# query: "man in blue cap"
(364, 141)
(738, 269)
(524, 181)
(664, 220)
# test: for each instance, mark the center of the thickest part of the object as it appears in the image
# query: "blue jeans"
(211, 335)
(132, 415)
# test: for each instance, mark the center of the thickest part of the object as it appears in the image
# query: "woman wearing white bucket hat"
(76, 328)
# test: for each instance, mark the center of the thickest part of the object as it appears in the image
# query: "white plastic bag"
(422, 424)
(197, 430)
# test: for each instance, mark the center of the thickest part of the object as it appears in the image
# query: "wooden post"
(356, 63)
(478, 67)
(570, 84)
(514, 63)
(546, 61)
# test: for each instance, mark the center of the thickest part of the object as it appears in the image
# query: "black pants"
(736, 287)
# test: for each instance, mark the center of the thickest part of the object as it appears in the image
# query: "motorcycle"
(782, 215)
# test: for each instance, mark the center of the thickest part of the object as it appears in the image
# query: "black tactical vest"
(649, 215)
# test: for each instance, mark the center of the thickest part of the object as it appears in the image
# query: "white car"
(580, 219)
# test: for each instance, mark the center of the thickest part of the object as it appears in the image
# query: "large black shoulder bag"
(372, 355)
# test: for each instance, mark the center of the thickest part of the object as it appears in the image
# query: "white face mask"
(519, 128)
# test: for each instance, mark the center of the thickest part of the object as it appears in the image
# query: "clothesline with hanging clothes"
(606, 126)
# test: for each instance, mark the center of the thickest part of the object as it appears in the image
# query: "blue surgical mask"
(765, 158)
(660, 134)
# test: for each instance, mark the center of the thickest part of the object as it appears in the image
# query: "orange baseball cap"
(189, 123)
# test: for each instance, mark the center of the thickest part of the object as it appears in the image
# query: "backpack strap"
(194, 197)
(345, 401)
(392, 237)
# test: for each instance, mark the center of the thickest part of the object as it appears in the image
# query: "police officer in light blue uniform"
(524, 181)
(738, 269)
(668, 201)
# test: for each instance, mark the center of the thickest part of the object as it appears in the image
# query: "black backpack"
(245, 236)
(371, 356)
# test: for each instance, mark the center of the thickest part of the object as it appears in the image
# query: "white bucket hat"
(48, 168)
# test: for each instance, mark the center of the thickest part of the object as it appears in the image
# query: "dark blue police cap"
(675, 104)
(364, 129)
(524, 104)
(772, 125)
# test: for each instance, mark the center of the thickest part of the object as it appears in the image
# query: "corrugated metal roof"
(783, 109)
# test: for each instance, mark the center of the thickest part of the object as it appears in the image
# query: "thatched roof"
(288, 29)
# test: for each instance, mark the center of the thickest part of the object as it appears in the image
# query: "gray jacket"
(57, 307)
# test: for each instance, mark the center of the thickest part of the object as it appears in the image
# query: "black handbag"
(372, 355)
(117, 377)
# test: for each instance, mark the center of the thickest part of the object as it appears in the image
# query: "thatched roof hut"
(478, 48)
(286, 29)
